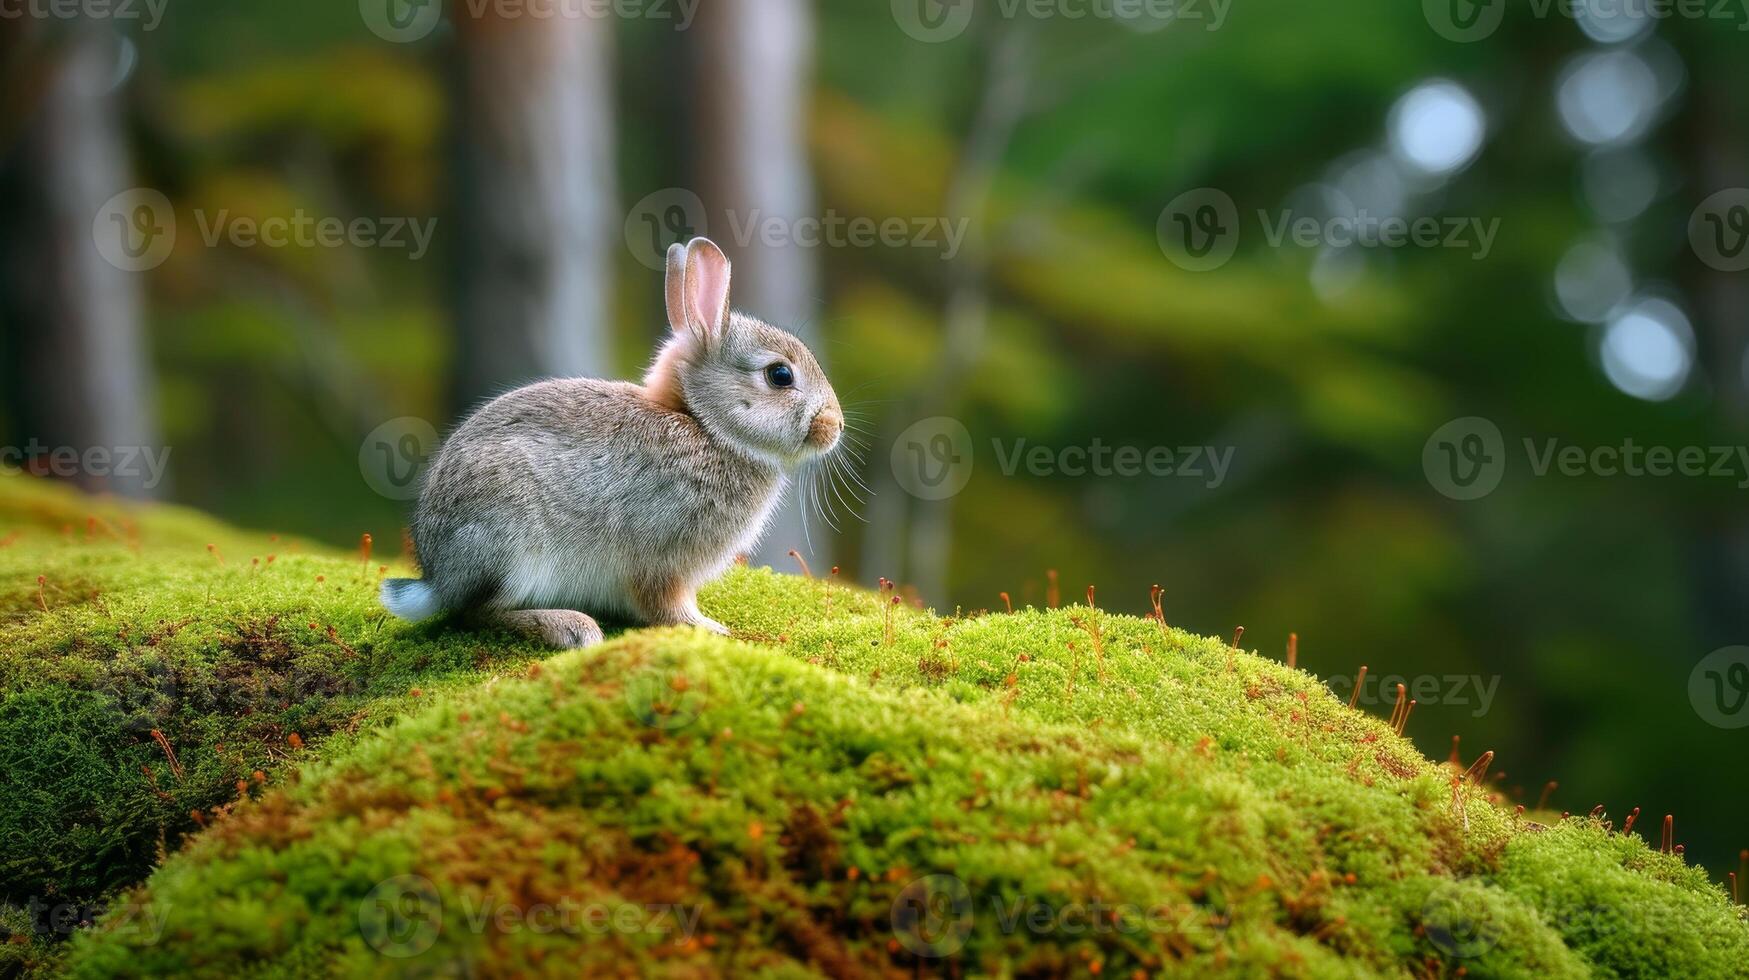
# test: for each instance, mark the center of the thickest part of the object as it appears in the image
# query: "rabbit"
(574, 497)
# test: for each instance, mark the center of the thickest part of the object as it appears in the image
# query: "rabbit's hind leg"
(566, 629)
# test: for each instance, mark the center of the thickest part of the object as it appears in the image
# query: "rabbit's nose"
(823, 431)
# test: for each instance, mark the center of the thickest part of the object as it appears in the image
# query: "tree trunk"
(754, 63)
(534, 200)
(1720, 540)
(77, 368)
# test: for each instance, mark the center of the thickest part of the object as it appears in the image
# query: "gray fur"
(576, 496)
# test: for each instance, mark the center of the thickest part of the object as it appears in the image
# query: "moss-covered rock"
(847, 787)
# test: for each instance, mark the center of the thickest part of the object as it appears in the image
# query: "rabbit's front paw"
(704, 622)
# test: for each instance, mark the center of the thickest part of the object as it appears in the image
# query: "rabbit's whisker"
(827, 513)
(855, 456)
(807, 539)
(851, 476)
(836, 476)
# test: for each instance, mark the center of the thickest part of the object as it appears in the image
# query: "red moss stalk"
(1359, 679)
(1293, 649)
(1542, 802)
(806, 572)
(169, 753)
(1478, 770)
(1006, 604)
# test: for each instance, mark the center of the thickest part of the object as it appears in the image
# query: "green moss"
(116, 625)
(847, 786)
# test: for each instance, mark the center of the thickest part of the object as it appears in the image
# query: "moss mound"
(847, 788)
(147, 678)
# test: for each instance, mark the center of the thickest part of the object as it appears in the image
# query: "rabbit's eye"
(780, 375)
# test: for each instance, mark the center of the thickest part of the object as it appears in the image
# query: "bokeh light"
(1591, 281)
(1612, 21)
(1648, 350)
(1610, 98)
(1619, 184)
(1437, 127)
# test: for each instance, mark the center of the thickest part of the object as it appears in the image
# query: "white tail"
(410, 598)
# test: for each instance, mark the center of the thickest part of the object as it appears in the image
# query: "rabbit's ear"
(705, 288)
(674, 288)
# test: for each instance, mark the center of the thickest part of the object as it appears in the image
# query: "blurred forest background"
(555, 154)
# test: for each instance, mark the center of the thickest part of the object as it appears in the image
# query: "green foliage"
(849, 784)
